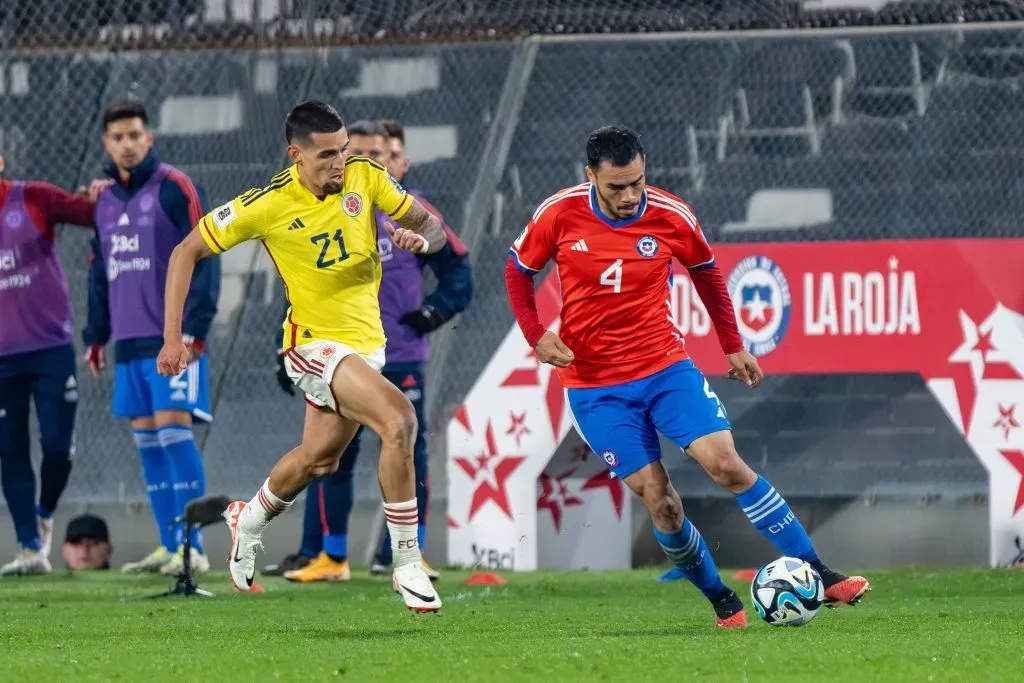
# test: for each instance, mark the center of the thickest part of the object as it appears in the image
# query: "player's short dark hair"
(367, 127)
(616, 144)
(394, 129)
(311, 116)
(124, 109)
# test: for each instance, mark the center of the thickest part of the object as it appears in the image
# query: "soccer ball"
(787, 592)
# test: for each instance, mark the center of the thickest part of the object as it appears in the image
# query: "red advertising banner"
(825, 307)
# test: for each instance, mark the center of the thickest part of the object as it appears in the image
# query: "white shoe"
(45, 535)
(174, 566)
(27, 562)
(150, 564)
(413, 584)
(242, 556)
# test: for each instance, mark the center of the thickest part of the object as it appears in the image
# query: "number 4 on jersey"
(612, 276)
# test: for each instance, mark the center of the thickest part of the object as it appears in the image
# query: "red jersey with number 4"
(616, 280)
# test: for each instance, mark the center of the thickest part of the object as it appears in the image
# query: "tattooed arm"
(416, 225)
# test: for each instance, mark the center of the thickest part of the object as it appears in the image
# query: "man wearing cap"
(87, 544)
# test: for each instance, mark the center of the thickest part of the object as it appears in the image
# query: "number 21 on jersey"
(324, 240)
(612, 276)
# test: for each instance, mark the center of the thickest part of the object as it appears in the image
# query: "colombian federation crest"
(647, 246)
(352, 204)
(762, 301)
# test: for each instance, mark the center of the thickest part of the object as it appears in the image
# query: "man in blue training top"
(408, 317)
(37, 361)
(148, 209)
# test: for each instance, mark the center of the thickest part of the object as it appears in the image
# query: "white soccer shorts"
(311, 367)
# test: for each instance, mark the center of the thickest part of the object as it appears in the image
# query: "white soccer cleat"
(174, 566)
(242, 556)
(27, 562)
(150, 564)
(413, 584)
(45, 535)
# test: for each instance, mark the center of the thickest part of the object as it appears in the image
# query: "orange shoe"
(323, 568)
(729, 610)
(849, 589)
(738, 620)
(432, 573)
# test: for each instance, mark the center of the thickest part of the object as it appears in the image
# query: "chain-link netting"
(252, 23)
(904, 134)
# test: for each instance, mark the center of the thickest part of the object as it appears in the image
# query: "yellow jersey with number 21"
(325, 251)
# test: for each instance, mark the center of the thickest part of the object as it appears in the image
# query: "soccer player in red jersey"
(625, 366)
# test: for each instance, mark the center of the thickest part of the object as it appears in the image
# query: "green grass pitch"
(546, 626)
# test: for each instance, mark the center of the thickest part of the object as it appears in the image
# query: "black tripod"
(198, 513)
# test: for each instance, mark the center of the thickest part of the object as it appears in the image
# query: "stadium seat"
(784, 88)
(894, 75)
(866, 138)
(991, 55)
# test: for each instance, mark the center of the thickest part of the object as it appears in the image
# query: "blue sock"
(769, 512)
(336, 546)
(338, 491)
(689, 552)
(187, 473)
(156, 470)
(312, 526)
(421, 535)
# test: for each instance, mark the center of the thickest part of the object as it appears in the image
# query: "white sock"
(403, 523)
(261, 509)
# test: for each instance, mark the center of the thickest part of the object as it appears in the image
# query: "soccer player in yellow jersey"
(316, 221)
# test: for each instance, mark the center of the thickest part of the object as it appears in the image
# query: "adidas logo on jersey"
(581, 245)
(297, 224)
(178, 395)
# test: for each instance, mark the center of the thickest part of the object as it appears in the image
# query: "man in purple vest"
(37, 360)
(408, 317)
(148, 209)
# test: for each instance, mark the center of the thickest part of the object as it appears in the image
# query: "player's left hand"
(174, 358)
(745, 369)
(408, 240)
(423, 321)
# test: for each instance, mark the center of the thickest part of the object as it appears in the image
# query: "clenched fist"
(174, 358)
(552, 351)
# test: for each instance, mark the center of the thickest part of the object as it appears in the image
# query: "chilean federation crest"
(647, 246)
(14, 219)
(610, 458)
(761, 298)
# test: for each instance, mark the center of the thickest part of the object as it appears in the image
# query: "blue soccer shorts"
(141, 391)
(621, 422)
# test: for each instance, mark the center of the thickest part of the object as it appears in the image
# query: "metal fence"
(906, 133)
